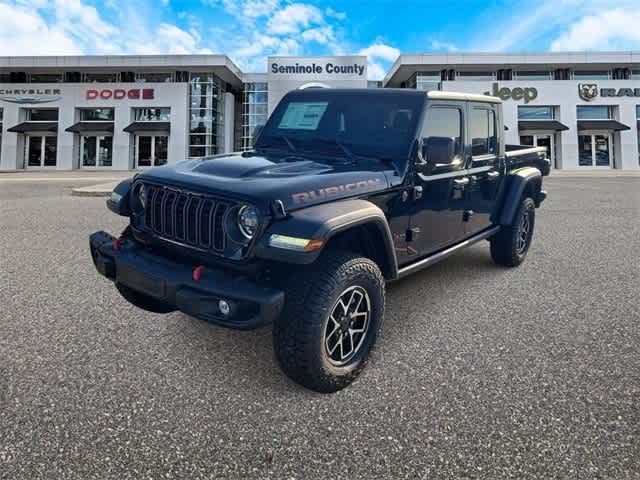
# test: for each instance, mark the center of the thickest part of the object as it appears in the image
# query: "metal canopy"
(551, 125)
(148, 127)
(613, 125)
(35, 127)
(81, 127)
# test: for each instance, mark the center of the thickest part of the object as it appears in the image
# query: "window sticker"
(303, 115)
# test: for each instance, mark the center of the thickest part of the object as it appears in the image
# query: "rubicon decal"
(121, 94)
(330, 192)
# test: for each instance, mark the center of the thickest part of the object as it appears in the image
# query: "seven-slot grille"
(190, 219)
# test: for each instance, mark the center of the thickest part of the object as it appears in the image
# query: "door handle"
(460, 182)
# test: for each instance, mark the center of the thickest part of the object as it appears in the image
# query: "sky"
(248, 31)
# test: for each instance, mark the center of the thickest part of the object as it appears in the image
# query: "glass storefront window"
(100, 77)
(591, 75)
(152, 114)
(96, 114)
(254, 111)
(475, 76)
(155, 77)
(533, 75)
(635, 75)
(46, 78)
(424, 81)
(1, 111)
(42, 115)
(206, 114)
(594, 112)
(536, 113)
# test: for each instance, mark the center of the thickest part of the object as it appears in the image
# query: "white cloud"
(446, 46)
(292, 18)
(322, 35)
(24, 32)
(332, 13)
(376, 53)
(608, 30)
(381, 50)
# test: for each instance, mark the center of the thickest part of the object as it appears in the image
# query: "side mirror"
(439, 154)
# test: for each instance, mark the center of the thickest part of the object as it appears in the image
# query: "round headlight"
(248, 221)
(142, 196)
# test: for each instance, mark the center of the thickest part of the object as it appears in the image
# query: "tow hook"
(126, 233)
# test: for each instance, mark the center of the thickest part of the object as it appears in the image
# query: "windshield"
(348, 124)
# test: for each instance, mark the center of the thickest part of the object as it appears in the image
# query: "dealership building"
(130, 112)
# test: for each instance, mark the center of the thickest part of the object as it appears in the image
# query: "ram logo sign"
(587, 91)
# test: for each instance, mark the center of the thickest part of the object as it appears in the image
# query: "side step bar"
(441, 255)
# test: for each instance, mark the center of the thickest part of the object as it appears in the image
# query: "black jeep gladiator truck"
(344, 191)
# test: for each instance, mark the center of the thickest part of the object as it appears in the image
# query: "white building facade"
(132, 112)
(584, 107)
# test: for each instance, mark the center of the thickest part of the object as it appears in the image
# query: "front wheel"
(330, 321)
(510, 245)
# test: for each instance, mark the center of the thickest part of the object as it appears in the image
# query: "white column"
(9, 159)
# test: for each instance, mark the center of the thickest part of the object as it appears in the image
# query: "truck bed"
(527, 156)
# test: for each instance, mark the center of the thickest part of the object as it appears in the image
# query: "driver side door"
(439, 180)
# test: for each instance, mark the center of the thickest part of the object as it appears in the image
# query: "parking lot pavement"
(480, 372)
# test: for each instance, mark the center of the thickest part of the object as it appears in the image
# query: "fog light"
(224, 307)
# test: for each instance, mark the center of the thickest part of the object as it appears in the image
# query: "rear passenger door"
(484, 165)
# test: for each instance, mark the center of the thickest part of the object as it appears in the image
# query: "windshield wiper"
(332, 141)
(284, 139)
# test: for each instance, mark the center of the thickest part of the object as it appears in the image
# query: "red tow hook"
(197, 272)
(117, 245)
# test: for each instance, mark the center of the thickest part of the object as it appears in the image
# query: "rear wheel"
(510, 245)
(330, 321)
(143, 301)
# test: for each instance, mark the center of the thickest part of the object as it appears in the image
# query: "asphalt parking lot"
(480, 372)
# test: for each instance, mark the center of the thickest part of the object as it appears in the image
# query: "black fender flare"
(322, 222)
(118, 202)
(517, 183)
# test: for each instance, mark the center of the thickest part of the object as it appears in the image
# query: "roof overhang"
(221, 65)
(81, 127)
(148, 127)
(34, 127)
(550, 125)
(612, 125)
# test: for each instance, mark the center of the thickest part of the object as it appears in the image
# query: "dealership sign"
(589, 91)
(517, 93)
(120, 94)
(30, 95)
(318, 69)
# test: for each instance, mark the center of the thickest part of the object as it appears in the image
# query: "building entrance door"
(595, 150)
(151, 150)
(96, 151)
(546, 140)
(41, 151)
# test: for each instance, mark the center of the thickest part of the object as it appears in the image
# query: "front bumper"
(172, 282)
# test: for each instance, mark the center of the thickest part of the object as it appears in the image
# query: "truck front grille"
(186, 218)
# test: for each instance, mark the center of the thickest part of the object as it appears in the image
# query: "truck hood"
(298, 181)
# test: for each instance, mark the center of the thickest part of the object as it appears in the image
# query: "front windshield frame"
(385, 143)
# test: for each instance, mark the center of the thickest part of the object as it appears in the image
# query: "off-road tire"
(506, 247)
(310, 296)
(143, 301)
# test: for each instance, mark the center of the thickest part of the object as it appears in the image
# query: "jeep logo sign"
(517, 93)
(121, 93)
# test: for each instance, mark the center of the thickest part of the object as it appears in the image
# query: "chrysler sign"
(121, 94)
(30, 95)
